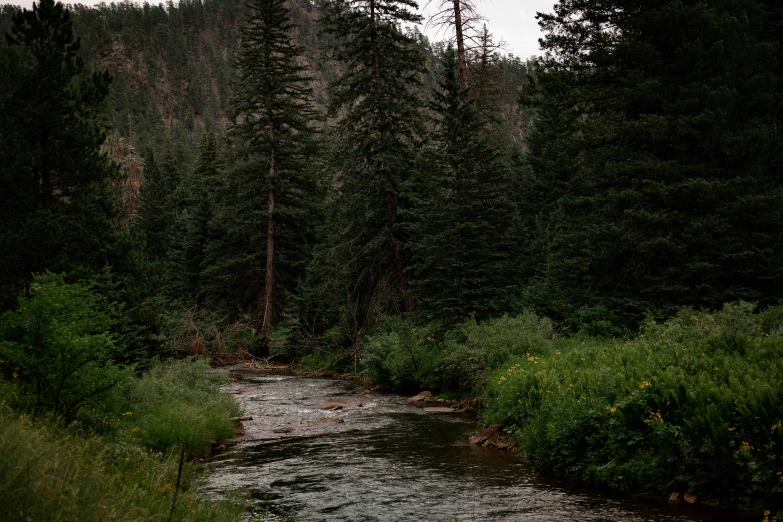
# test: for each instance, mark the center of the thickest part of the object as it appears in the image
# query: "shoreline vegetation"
(119, 459)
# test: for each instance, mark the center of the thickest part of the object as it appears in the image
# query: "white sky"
(512, 20)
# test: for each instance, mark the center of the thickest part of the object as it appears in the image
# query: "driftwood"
(492, 436)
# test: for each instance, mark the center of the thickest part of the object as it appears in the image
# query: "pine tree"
(262, 231)
(190, 231)
(461, 236)
(657, 157)
(56, 209)
(378, 128)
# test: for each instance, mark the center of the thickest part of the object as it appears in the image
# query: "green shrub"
(48, 474)
(693, 404)
(56, 347)
(175, 402)
(403, 355)
(410, 357)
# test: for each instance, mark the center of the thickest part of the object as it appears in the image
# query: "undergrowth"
(119, 459)
(692, 404)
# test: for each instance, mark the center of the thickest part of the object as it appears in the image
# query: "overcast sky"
(512, 20)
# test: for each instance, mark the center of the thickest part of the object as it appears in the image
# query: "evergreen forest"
(585, 246)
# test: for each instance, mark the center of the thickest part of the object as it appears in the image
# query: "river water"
(390, 461)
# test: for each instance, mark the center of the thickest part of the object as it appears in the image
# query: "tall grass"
(177, 402)
(49, 474)
(119, 460)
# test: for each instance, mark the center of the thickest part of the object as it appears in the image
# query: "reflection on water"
(389, 461)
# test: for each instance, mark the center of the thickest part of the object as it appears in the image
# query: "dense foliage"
(655, 163)
(181, 178)
(691, 404)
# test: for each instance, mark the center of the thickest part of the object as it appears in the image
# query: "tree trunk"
(463, 63)
(269, 282)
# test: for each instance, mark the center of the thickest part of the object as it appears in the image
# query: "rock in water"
(674, 498)
(690, 498)
(339, 405)
(420, 397)
(439, 410)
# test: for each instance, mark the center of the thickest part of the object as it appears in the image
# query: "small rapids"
(387, 460)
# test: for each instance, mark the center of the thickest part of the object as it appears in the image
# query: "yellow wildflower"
(16, 375)
(732, 429)
(167, 486)
(135, 430)
(127, 413)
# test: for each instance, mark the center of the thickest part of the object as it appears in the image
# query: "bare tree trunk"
(463, 62)
(269, 281)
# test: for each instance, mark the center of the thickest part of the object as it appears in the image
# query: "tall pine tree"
(190, 230)
(378, 126)
(263, 228)
(57, 211)
(656, 157)
(461, 235)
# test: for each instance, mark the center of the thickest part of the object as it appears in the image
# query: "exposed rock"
(506, 445)
(339, 405)
(336, 420)
(420, 397)
(690, 498)
(439, 410)
(487, 434)
(282, 430)
(674, 498)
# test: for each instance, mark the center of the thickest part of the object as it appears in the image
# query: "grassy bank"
(693, 404)
(119, 459)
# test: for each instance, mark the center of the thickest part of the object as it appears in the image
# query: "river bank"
(390, 460)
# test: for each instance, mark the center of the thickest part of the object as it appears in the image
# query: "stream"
(387, 460)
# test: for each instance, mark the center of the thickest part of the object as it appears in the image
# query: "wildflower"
(135, 430)
(644, 385)
(16, 375)
(167, 486)
(776, 426)
(746, 446)
(732, 429)
(716, 368)
(614, 410)
(127, 413)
